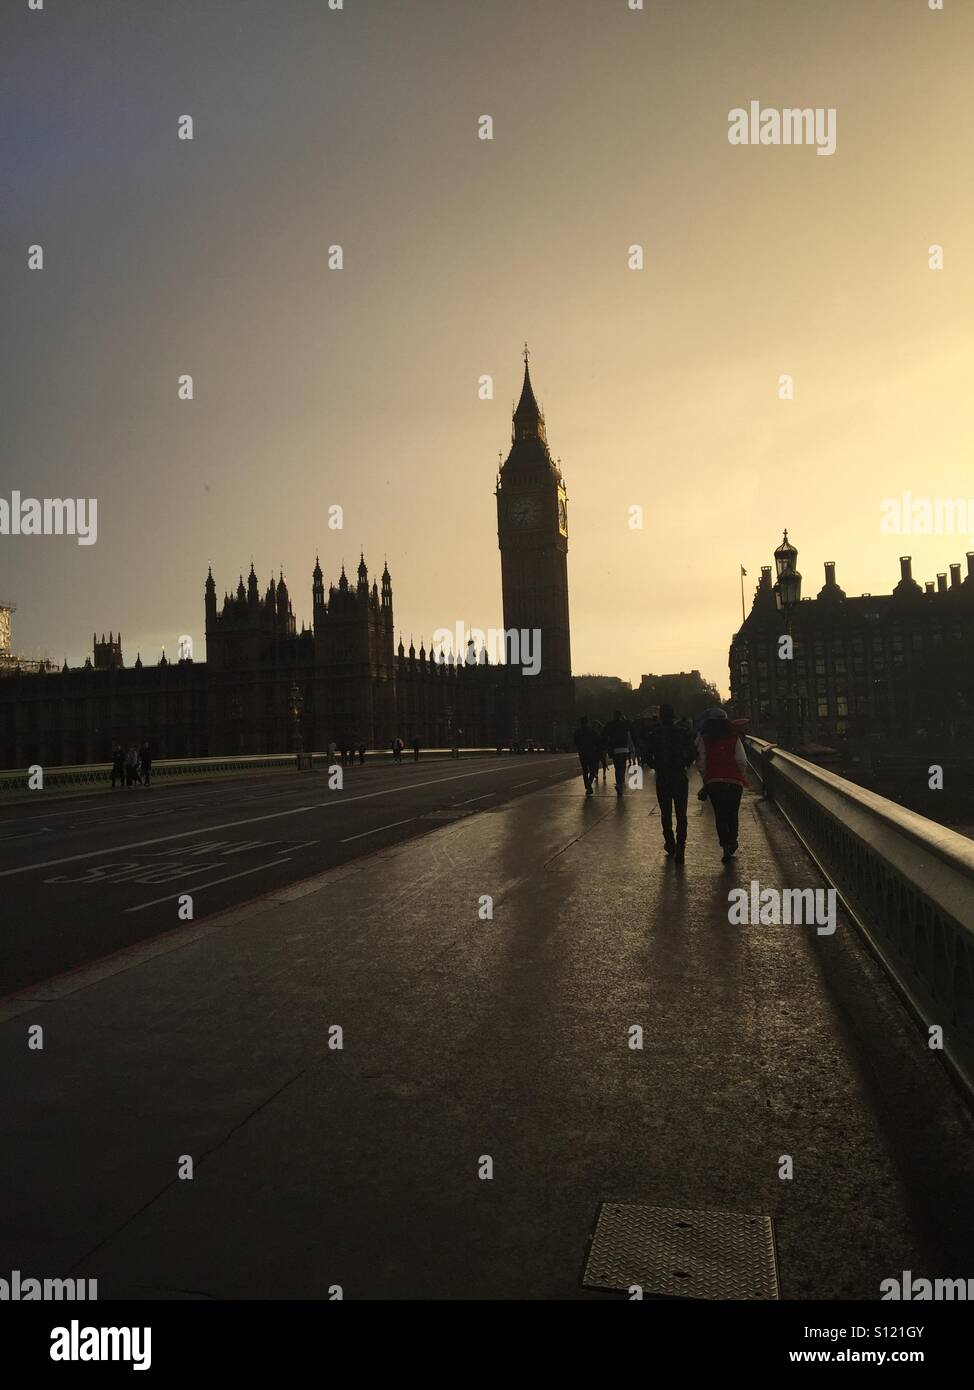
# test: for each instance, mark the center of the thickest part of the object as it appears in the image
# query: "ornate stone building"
(268, 687)
(877, 663)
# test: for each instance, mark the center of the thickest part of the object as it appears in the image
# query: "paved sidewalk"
(466, 1037)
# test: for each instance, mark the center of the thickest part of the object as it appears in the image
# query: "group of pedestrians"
(131, 766)
(671, 746)
(346, 749)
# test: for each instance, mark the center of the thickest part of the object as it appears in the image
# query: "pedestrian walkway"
(467, 1036)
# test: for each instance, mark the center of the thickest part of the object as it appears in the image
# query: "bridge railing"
(17, 781)
(906, 881)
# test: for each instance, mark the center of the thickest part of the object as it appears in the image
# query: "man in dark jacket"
(589, 747)
(671, 751)
(617, 738)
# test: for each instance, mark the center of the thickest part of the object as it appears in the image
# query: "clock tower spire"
(532, 532)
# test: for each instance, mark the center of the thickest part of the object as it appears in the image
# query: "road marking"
(474, 798)
(198, 887)
(250, 820)
(349, 838)
(524, 784)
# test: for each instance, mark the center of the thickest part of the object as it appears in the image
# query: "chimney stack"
(906, 568)
(830, 572)
(970, 565)
(955, 576)
(928, 587)
(941, 583)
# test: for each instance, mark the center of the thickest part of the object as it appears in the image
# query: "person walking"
(723, 767)
(671, 750)
(145, 762)
(397, 747)
(131, 765)
(618, 741)
(118, 765)
(603, 753)
(415, 750)
(361, 752)
(589, 748)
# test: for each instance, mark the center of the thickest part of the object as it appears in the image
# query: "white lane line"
(529, 783)
(157, 840)
(349, 838)
(250, 820)
(474, 798)
(198, 887)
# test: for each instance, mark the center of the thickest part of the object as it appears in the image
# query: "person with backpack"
(723, 767)
(671, 750)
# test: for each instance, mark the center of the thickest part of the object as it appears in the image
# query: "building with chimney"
(869, 663)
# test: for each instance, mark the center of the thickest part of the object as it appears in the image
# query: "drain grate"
(683, 1254)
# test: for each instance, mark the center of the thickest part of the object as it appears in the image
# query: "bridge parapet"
(906, 881)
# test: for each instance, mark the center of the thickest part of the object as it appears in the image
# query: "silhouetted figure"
(397, 747)
(603, 750)
(723, 767)
(361, 753)
(670, 751)
(118, 765)
(415, 750)
(617, 738)
(145, 762)
(345, 752)
(642, 731)
(332, 751)
(589, 748)
(131, 765)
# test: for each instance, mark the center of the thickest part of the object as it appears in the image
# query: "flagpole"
(743, 614)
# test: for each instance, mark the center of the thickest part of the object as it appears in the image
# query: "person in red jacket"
(723, 767)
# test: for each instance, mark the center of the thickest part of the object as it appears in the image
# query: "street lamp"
(787, 597)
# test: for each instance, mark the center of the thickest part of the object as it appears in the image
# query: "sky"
(358, 387)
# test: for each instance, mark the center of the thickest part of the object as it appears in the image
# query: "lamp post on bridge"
(787, 596)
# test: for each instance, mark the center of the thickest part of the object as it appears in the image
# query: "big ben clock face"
(524, 511)
(562, 516)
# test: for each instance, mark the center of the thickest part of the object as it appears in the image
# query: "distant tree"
(687, 692)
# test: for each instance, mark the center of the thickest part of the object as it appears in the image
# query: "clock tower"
(532, 531)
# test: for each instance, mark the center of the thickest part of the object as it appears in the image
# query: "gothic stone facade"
(267, 687)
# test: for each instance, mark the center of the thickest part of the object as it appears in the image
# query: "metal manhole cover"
(682, 1254)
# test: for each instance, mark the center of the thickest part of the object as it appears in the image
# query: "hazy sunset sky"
(359, 386)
